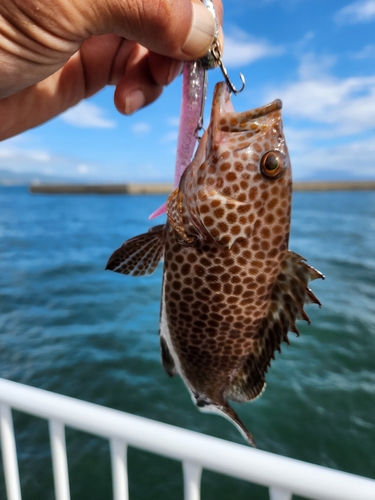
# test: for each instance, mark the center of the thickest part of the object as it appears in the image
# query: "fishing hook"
(215, 50)
(230, 85)
(213, 56)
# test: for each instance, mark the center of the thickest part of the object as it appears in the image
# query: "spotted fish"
(231, 288)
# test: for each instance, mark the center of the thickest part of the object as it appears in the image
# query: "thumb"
(181, 29)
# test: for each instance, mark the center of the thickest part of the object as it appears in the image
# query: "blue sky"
(318, 56)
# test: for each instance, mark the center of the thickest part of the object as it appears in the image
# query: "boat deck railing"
(283, 476)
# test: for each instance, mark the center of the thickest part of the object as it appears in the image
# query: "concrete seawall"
(166, 188)
(101, 188)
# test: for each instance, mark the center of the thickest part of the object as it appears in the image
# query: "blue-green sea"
(68, 326)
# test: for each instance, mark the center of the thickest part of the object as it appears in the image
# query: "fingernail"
(134, 101)
(175, 70)
(202, 32)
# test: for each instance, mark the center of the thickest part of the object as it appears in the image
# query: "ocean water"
(68, 326)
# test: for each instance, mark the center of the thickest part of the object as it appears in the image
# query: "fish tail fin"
(139, 255)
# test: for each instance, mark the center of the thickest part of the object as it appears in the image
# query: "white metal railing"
(283, 476)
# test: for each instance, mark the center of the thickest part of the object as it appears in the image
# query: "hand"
(54, 54)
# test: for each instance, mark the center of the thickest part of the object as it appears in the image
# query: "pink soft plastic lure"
(193, 96)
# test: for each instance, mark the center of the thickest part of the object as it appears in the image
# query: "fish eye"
(272, 164)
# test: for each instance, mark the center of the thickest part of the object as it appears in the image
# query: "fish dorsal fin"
(139, 255)
(290, 294)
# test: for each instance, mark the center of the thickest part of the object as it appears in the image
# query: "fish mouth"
(225, 99)
(262, 111)
(222, 105)
(225, 120)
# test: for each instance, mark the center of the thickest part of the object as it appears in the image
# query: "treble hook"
(215, 50)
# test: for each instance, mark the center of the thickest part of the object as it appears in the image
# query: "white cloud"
(241, 49)
(18, 158)
(83, 169)
(330, 121)
(173, 121)
(368, 52)
(87, 114)
(352, 160)
(169, 137)
(346, 105)
(5, 152)
(38, 155)
(298, 139)
(141, 127)
(315, 67)
(356, 12)
(10, 153)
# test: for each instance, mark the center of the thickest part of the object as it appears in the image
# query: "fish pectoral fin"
(174, 213)
(139, 255)
(177, 220)
(166, 357)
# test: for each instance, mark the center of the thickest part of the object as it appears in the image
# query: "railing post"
(192, 480)
(9, 454)
(119, 470)
(59, 460)
(277, 494)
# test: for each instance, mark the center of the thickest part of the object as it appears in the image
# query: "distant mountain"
(9, 178)
(334, 175)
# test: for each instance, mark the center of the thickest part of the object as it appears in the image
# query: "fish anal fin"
(232, 416)
(220, 406)
(248, 381)
(139, 255)
(167, 360)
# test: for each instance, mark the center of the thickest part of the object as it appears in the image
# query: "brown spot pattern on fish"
(231, 288)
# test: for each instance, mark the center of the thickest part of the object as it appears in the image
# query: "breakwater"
(129, 188)
(166, 188)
